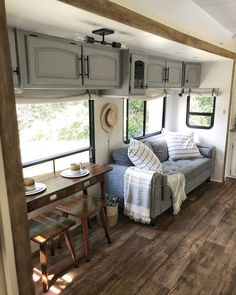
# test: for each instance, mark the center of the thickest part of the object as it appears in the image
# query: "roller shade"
(150, 94)
(202, 92)
(47, 96)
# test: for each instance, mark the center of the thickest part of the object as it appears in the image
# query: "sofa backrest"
(157, 143)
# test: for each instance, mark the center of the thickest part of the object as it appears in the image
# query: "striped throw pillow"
(143, 157)
(181, 146)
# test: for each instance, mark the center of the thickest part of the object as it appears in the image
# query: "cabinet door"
(173, 74)
(192, 75)
(138, 79)
(53, 63)
(101, 67)
(155, 73)
(14, 57)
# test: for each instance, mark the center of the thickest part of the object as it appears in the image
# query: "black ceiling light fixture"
(102, 32)
(181, 92)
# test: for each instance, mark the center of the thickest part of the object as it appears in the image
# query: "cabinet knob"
(186, 80)
(146, 86)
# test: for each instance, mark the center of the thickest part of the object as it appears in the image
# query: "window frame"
(90, 148)
(126, 139)
(208, 114)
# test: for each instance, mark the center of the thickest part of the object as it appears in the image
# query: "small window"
(200, 111)
(143, 118)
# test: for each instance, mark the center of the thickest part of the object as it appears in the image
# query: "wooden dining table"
(58, 187)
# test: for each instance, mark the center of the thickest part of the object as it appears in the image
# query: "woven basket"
(112, 216)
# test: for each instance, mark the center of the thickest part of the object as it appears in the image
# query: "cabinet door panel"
(101, 67)
(155, 73)
(54, 63)
(192, 75)
(174, 74)
(138, 79)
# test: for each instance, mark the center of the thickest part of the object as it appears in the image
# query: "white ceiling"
(223, 11)
(56, 18)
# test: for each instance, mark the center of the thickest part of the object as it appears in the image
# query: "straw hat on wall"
(109, 117)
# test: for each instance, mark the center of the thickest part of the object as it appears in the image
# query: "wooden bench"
(42, 229)
(83, 207)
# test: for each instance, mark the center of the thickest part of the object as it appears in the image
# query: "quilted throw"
(138, 190)
(176, 183)
(137, 194)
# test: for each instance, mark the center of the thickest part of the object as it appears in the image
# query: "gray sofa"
(196, 171)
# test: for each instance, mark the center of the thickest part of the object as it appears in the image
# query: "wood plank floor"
(191, 253)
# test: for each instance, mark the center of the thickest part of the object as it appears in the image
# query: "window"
(200, 111)
(143, 118)
(54, 134)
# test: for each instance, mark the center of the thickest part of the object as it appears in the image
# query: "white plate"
(39, 187)
(74, 174)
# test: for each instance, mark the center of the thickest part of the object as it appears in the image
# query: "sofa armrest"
(115, 186)
(206, 150)
(159, 184)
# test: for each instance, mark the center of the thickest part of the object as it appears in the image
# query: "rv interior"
(118, 147)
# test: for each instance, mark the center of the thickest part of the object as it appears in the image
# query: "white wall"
(101, 137)
(214, 74)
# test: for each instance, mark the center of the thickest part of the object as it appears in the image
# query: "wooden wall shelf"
(233, 130)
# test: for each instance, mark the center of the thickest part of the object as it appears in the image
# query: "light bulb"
(79, 37)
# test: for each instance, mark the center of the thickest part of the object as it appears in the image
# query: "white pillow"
(142, 157)
(181, 146)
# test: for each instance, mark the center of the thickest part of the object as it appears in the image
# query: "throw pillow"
(143, 157)
(181, 146)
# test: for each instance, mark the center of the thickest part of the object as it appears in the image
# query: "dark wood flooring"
(191, 253)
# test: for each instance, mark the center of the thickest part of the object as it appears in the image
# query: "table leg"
(44, 266)
(103, 192)
(104, 223)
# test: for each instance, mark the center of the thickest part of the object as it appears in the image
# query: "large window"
(143, 118)
(200, 111)
(54, 134)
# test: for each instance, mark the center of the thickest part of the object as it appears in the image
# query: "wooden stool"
(42, 229)
(82, 207)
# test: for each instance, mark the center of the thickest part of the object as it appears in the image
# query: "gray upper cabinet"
(14, 57)
(101, 67)
(138, 76)
(52, 62)
(173, 74)
(192, 74)
(163, 73)
(155, 72)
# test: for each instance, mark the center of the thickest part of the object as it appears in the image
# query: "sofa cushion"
(190, 168)
(143, 157)
(181, 146)
(159, 147)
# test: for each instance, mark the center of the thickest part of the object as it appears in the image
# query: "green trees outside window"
(54, 130)
(143, 118)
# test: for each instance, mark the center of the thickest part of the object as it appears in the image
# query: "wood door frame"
(12, 165)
